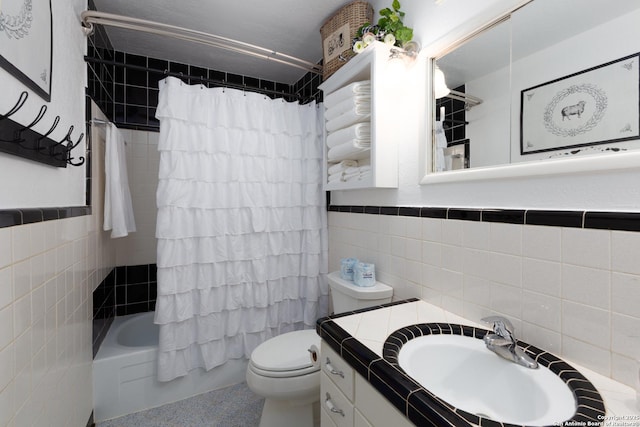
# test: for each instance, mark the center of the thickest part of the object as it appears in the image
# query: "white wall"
(604, 190)
(26, 183)
(48, 272)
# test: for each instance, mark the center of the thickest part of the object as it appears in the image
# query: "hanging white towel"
(441, 145)
(355, 88)
(118, 210)
(361, 131)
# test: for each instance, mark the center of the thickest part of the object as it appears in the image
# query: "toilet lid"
(286, 352)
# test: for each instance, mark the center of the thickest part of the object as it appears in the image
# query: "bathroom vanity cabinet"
(397, 111)
(347, 399)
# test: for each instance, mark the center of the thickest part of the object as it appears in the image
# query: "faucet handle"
(501, 326)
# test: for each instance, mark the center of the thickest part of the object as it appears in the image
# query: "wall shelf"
(396, 94)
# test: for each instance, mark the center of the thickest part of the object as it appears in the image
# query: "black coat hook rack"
(23, 141)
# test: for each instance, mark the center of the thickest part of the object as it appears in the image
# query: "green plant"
(391, 22)
(390, 29)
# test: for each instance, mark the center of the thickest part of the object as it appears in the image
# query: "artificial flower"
(389, 29)
(368, 38)
(390, 39)
(358, 46)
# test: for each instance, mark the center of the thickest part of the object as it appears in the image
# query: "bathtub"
(124, 371)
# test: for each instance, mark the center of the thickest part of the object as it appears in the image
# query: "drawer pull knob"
(332, 370)
(331, 407)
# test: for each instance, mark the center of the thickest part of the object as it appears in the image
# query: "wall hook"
(80, 163)
(18, 134)
(50, 131)
(21, 100)
(70, 146)
(24, 141)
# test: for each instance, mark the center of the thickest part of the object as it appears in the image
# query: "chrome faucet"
(504, 344)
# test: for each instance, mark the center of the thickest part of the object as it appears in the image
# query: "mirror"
(551, 80)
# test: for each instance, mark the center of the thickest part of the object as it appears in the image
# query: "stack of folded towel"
(348, 123)
(349, 170)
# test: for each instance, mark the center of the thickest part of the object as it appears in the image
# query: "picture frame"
(26, 33)
(599, 105)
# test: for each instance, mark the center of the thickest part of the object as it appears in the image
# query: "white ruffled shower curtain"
(241, 229)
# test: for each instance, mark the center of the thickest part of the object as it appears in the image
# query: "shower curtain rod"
(90, 17)
(201, 79)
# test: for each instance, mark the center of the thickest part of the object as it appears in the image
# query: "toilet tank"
(347, 296)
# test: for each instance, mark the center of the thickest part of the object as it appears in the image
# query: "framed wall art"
(599, 105)
(26, 43)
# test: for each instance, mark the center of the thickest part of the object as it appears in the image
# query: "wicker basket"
(338, 33)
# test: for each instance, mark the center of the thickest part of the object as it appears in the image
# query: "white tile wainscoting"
(572, 291)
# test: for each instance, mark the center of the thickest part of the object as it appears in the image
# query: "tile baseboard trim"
(13, 217)
(621, 221)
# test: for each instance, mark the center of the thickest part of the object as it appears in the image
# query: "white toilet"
(281, 369)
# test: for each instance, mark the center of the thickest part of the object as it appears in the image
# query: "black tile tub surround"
(135, 289)
(125, 85)
(621, 221)
(418, 404)
(103, 310)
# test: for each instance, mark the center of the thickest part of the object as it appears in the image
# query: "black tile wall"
(135, 289)
(103, 309)
(455, 118)
(125, 290)
(125, 85)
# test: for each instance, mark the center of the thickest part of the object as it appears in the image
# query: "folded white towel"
(334, 177)
(364, 175)
(340, 167)
(355, 88)
(365, 163)
(360, 131)
(353, 169)
(357, 115)
(363, 101)
(359, 176)
(118, 210)
(350, 150)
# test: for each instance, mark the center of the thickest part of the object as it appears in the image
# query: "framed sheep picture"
(600, 105)
(26, 43)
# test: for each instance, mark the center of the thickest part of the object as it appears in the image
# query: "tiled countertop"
(366, 331)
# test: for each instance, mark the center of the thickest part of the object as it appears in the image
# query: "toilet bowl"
(282, 371)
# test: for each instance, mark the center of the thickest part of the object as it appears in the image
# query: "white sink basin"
(463, 372)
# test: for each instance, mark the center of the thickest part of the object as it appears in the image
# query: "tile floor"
(233, 406)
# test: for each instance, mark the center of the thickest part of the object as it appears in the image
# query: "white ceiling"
(291, 27)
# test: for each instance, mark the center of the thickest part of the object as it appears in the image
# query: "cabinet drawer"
(334, 403)
(325, 419)
(359, 420)
(338, 370)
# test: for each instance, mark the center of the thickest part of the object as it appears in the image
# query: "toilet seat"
(285, 355)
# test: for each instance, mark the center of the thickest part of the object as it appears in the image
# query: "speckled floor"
(234, 406)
